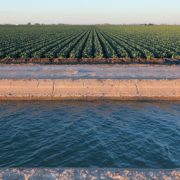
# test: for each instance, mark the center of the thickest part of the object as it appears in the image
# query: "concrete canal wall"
(89, 174)
(89, 89)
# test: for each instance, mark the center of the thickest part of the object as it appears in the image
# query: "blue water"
(90, 134)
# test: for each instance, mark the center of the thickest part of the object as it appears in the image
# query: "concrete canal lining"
(89, 89)
(89, 72)
(90, 174)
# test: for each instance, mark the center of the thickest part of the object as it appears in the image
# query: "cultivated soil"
(89, 61)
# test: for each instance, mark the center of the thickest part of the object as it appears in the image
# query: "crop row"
(98, 42)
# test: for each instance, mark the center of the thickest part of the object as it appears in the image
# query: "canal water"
(90, 134)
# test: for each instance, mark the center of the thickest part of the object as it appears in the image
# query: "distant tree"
(37, 24)
(150, 24)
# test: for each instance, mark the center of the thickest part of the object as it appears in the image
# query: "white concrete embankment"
(89, 89)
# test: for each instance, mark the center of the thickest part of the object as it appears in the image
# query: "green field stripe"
(98, 53)
(113, 45)
(21, 43)
(77, 50)
(152, 47)
(105, 55)
(65, 52)
(52, 53)
(75, 47)
(88, 47)
(148, 46)
(122, 44)
(48, 47)
(87, 41)
(155, 51)
(93, 44)
(135, 47)
(120, 50)
(36, 46)
(133, 41)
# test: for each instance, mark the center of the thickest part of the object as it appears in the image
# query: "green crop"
(147, 42)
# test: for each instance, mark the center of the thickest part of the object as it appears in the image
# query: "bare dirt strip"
(89, 61)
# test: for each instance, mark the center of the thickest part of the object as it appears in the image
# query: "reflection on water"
(90, 134)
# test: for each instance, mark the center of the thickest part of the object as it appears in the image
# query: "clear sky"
(90, 11)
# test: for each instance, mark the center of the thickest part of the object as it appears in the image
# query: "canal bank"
(89, 82)
(70, 174)
(89, 89)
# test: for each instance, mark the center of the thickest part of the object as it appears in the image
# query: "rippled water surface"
(90, 134)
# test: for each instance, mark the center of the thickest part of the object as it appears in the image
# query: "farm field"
(83, 43)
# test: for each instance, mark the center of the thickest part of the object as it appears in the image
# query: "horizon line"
(115, 24)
